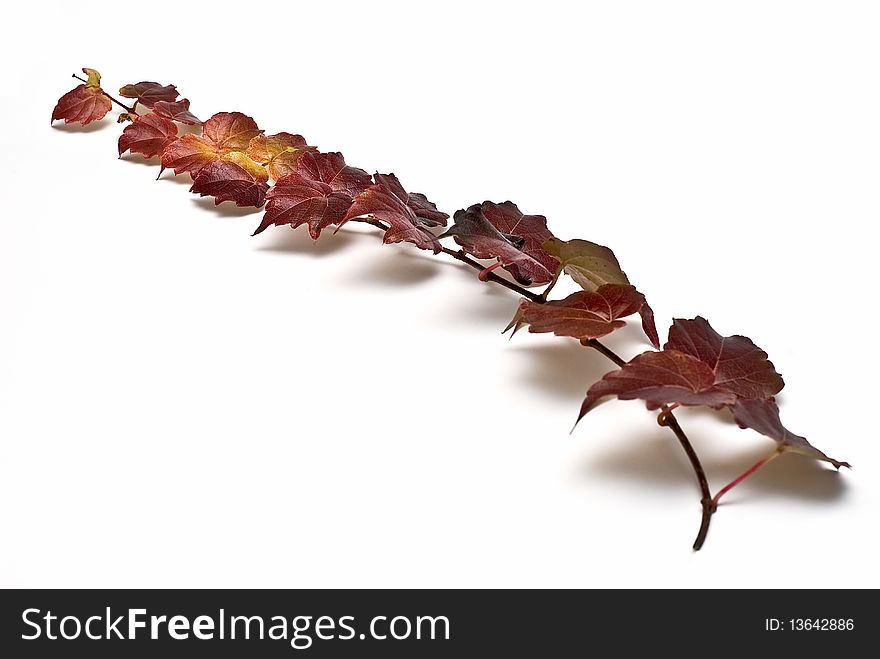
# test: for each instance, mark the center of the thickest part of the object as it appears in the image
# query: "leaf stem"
(595, 344)
(130, 110)
(668, 420)
(748, 472)
(491, 276)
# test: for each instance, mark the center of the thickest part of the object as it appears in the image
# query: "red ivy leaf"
(330, 168)
(418, 203)
(147, 93)
(583, 315)
(661, 378)
(223, 133)
(731, 369)
(230, 131)
(502, 232)
(763, 416)
(380, 202)
(176, 111)
(279, 153)
(739, 365)
(84, 103)
(234, 178)
(533, 231)
(189, 153)
(318, 193)
(148, 134)
(474, 232)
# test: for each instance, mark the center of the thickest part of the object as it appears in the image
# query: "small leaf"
(661, 378)
(176, 111)
(279, 153)
(234, 177)
(318, 192)
(739, 365)
(147, 93)
(94, 78)
(149, 134)
(763, 416)
(583, 315)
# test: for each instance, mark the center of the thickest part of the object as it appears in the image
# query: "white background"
(184, 405)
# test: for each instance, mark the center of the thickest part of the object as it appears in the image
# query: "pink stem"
(484, 275)
(748, 472)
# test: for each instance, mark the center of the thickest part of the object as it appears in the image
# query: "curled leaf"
(93, 77)
(502, 232)
(763, 416)
(583, 315)
(148, 134)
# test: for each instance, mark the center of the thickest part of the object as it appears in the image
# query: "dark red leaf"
(236, 178)
(510, 221)
(297, 200)
(148, 134)
(479, 237)
(502, 232)
(582, 315)
(418, 203)
(176, 111)
(404, 225)
(661, 378)
(318, 193)
(763, 416)
(148, 93)
(739, 365)
(330, 168)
